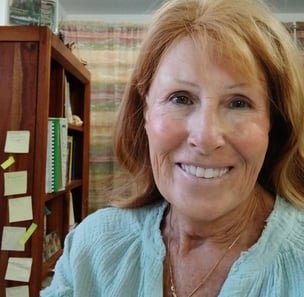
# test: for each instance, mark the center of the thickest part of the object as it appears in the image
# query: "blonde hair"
(246, 32)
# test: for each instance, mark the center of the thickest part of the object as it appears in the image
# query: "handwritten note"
(15, 182)
(19, 269)
(11, 237)
(17, 142)
(21, 291)
(20, 209)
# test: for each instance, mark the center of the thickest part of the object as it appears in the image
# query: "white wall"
(290, 17)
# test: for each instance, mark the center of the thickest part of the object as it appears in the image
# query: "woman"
(211, 130)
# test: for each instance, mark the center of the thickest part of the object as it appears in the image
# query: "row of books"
(300, 34)
(74, 164)
(296, 30)
(34, 12)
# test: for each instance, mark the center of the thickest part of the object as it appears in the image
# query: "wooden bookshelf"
(34, 65)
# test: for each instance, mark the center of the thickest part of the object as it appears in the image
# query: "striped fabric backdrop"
(109, 51)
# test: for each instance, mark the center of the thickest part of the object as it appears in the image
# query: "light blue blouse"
(119, 253)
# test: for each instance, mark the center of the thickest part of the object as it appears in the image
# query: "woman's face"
(207, 127)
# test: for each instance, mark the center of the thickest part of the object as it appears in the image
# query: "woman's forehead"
(207, 53)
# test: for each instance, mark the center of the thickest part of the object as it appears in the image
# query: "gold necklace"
(205, 278)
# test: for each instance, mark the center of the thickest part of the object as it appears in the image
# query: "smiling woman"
(193, 118)
(211, 130)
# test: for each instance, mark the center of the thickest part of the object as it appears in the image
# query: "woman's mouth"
(204, 172)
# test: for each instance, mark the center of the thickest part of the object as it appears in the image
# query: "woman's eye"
(239, 103)
(181, 99)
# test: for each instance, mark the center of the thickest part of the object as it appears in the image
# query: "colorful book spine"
(49, 183)
(57, 159)
(56, 154)
(63, 150)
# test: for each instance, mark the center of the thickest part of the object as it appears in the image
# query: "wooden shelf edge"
(75, 183)
(75, 128)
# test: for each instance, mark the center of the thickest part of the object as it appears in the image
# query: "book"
(50, 159)
(57, 151)
(67, 102)
(63, 130)
(46, 213)
(72, 222)
(70, 157)
(76, 158)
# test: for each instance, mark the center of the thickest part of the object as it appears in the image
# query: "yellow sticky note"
(7, 163)
(28, 234)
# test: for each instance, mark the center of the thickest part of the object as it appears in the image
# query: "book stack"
(300, 34)
(48, 13)
(57, 155)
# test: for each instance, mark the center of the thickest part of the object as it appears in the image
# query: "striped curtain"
(110, 51)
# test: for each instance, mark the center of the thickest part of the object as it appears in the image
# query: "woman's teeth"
(204, 172)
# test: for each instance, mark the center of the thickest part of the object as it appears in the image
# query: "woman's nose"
(206, 131)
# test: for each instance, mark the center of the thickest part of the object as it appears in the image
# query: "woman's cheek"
(165, 131)
(253, 142)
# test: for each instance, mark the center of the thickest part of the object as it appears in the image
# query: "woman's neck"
(247, 221)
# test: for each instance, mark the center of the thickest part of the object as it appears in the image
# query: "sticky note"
(11, 237)
(28, 234)
(20, 291)
(17, 142)
(20, 209)
(18, 269)
(15, 182)
(8, 162)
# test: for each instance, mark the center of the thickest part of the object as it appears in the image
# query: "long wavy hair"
(245, 32)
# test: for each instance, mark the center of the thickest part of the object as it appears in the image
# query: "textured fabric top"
(120, 253)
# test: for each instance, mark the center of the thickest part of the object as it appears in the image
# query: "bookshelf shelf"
(36, 69)
(75, 128)
(74, 184)
(51, 196)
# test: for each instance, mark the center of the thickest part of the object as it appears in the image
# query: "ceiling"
(83, 7)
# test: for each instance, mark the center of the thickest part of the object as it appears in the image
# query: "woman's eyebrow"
(186, 82)
(236, 85)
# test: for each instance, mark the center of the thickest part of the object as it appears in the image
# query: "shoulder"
(287, 223)
(276, 258)
(111, 218)
(283, 233)
(281, 240)
(110, 251)
(105, 226)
